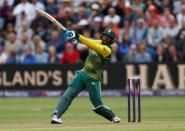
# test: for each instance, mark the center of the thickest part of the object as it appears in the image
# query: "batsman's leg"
(74, 88)
(94, 89)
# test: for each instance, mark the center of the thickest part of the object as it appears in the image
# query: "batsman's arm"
(94, 44)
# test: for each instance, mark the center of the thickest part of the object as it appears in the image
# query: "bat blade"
(50, 18)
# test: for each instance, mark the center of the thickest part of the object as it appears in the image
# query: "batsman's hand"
(71, 36)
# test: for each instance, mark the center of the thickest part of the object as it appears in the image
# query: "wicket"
(134, 90)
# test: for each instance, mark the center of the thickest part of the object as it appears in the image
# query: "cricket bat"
(50, 18)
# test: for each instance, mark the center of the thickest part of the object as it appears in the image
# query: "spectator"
(181, 16)
(168, 41)
(128, 14)
(52, 56)
(139, 14)
(106, 4)
(96, 25)
(172, 30)
(131, 55)
(10, 28)
(149, 3)
(94, 13)
(38, 22)
(40, 26)
(166, 18)
(143, 56)
(3, 56)
(65, 4)
(9, 19)
(119, 7)
(177, 6)
(12, 43)
(24, 30)
(65, 15)
(70, 55)
(181, 41)
(124, 46)
(5, 11)
(25, 43)
(2, 40)
(138, 4)
(97, 35)
(115, 56)
(51, 8)
(167, 4)
(155, 34)
(69, 25)
(38, 4)
(127, 29)
(55, 41)
(83, 14)
(161, 55)
(41, 56)
(26, 7)
(28, 57)
(181, 33)
(38, 42)
(173, 55)
(9, 2)
(152, 15)
(82, 25)
(21, 19)
(112, 17)
(12, 58)
(140, 31)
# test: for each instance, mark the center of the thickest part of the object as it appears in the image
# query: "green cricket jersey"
(98, 56)
(94, 65)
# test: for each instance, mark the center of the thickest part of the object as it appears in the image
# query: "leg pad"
(105, 112)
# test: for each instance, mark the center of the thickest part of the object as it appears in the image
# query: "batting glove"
(71, 36)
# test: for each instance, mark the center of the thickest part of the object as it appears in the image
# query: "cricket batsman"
(89, 77)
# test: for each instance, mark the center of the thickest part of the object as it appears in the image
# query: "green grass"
(33, 114)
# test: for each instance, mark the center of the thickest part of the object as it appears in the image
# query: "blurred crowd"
(146, 30)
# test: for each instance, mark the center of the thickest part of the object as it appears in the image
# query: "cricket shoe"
(116, 119)
(56, 120)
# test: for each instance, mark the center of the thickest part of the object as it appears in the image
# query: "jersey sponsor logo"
(109, 31)
(93, 83)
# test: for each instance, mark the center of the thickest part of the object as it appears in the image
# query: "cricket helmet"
(110, 33)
